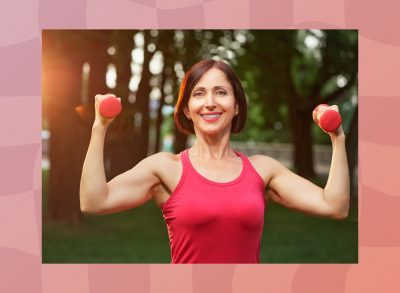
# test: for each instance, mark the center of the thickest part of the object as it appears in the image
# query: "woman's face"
(212, 104)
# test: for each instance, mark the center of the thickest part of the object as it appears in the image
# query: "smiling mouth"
(211, 117)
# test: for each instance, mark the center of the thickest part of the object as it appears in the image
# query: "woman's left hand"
(320, 112)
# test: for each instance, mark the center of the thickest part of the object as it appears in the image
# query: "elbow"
(91, 202)
(340, 211)
(86, 207)
(341, 214)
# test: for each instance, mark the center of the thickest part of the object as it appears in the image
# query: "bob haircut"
(192, 77)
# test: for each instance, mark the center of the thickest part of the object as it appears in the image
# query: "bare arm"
(125, 191)
(93, 186)
(337, 189)
(298, 193)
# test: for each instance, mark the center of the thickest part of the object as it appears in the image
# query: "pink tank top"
(211, 222)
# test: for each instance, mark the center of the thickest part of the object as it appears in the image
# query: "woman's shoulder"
(261, 159)
(161, 158)
(162, 161)
(264, 164)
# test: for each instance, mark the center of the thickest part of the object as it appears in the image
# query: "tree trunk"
(352, 152)
(69, 133)
(121, 152)
(300, 125)
(99, 60)
(67, 147)
(180, 141)
(160, 117)
(302, 140)
(143, 100)
(168, 50)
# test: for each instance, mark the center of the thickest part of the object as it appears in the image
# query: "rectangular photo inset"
(200, 146)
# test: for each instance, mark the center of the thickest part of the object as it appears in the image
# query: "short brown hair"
(192, 77)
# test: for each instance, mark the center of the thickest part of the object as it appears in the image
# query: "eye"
(221, 92)
(197, 94)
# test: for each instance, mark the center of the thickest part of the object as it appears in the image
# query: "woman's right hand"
(99, 119)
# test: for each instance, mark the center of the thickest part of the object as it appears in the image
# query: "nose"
(210, 102)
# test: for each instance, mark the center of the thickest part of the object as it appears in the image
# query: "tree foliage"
(291, 72)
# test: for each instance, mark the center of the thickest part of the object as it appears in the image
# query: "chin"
(211, 130)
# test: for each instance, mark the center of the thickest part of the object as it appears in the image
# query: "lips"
(211, 117)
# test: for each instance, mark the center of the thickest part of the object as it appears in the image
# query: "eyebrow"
(215, 88)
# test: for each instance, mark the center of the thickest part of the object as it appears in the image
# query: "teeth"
(211, 116)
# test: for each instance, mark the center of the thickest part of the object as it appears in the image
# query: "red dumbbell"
(330, 120)
(110, 107)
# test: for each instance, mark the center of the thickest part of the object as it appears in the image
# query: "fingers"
(335, 107)
(321, 109)
(318, 111)
(99, 97)
(315, 115)
(327, 118)
(98, 116)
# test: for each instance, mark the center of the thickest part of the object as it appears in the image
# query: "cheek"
(230, 104)
(194, 105)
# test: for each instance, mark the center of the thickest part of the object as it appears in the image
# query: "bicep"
(130, 189)
(296, 192)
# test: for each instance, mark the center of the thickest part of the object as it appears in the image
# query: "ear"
(186, 112)
(236, 109)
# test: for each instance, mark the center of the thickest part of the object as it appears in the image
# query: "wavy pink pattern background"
(20, 145)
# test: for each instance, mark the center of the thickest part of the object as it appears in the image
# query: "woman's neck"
(212, 147)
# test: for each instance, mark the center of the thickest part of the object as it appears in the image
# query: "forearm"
(93, 187)
(337, 189)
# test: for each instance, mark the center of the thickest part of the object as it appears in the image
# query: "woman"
(212, 197)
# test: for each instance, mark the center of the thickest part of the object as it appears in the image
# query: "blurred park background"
(285, 73)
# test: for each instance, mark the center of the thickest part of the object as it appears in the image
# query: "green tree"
(291, 72)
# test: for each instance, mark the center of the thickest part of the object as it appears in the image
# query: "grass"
(135, 236)
(140, 236)
(292, 237)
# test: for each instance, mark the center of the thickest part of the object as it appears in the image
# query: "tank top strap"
(185, 159)
(245, 160)
(249, 166)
